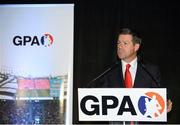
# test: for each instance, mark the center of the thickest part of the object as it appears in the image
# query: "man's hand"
(169, 105)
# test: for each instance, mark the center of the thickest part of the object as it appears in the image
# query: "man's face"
(126, 50)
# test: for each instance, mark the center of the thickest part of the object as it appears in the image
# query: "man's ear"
(136, 47)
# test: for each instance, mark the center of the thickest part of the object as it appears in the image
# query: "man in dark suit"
(143, 75)
(140, 74)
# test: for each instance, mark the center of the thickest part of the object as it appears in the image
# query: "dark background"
(96, 24)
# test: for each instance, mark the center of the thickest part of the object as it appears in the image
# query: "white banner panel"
(121, 104)
(36, 39)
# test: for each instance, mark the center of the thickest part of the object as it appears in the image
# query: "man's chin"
(121, 57)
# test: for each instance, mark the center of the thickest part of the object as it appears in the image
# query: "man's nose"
(120, 46)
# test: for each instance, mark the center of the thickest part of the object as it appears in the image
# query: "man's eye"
(118, 42)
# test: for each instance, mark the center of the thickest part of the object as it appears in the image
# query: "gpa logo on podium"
(45, 40)
(151, 105)
(111, 104)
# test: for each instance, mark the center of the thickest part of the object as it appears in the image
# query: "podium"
(122, 104)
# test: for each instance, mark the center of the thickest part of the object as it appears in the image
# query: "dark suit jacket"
(114, 79)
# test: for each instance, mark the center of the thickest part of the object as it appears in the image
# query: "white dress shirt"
(132, 69)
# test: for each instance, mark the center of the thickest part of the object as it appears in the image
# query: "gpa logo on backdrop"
(46, 40)
(151, 105)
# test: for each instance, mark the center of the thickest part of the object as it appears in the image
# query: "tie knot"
(128, 66)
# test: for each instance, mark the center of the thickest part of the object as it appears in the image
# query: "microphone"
(155, 82)
(103, 73)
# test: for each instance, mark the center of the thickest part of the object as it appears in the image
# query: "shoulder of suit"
(115, 70)
(150, 65)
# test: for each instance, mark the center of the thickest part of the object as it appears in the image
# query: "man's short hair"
(136, 37)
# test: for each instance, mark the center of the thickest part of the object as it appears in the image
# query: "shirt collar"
(132, 63)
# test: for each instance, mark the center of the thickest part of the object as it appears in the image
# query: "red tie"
(128, 78)
(128, 82)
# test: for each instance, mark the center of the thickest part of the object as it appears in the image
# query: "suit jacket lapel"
(137, 77)
(121, 80)
(119, 76)
(140, 78)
